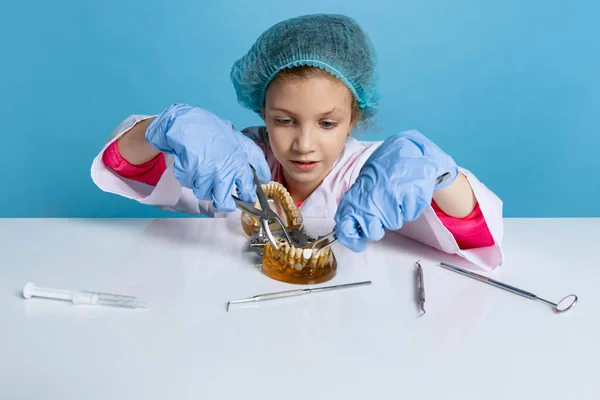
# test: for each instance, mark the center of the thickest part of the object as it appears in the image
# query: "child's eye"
(329, 124)
(283, 121)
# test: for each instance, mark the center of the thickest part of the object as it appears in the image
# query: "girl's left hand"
(395, 185)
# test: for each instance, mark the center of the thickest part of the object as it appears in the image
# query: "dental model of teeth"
(298, 265)
(282, 203)
(301, 265)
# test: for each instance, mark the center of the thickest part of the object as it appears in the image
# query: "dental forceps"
(266, 216)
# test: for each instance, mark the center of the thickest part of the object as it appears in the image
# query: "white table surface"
(475, 342)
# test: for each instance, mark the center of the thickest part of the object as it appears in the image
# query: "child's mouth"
(305, 165)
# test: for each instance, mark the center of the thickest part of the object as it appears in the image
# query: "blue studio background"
(511, 89)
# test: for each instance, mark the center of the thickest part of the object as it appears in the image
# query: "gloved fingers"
(190, 175)
(221, 194)
(370, 226)
(245, 187)
(256, 158)
(348, 234)
(412, 204)
(202, 188)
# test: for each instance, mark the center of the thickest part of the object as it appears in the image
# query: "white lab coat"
(322, 203)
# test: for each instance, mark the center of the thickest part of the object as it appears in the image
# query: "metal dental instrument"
(266, 215)
(330, 238)
(292, 293)
(421, 287)
(567, 301)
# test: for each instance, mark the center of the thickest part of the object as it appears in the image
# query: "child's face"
(308, 121)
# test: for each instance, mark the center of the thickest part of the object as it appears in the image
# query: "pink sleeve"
(469, 232)
(149, 172)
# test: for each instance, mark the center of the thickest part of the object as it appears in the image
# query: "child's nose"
(304, 141)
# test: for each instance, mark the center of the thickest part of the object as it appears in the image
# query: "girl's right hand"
(210, 156)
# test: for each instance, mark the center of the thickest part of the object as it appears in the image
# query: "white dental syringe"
(83, 296)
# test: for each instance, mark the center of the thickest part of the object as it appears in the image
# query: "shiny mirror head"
(565, 304)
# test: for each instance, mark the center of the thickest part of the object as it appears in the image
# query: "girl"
(312, 80)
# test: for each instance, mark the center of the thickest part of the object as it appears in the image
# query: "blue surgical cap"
(334, 43)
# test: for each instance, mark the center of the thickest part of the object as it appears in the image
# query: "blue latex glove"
(395, 185)
(210, 156)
